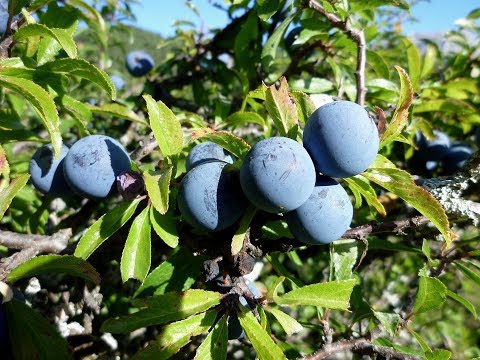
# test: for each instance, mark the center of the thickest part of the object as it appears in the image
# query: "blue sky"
(159, 15)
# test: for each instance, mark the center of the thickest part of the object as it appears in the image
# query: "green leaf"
(118, 111)
(94, 20)
(214, 347)
(61, 36)
(84, 70)
(389, 321)
(362, 186)
(312, 85)
(332, 295)
(472, 275)
(104, 227)
(432, 293)
(166, 128)
(269, 51)
(157, 184)
(414, 62)
(165, 226)
(360, 5)
(41, 102)
(438, 355)
(176, 335)
(7, 194)
(400, 116)
(162, 309)
(57, 264)
(32, 336)
(417, 197)
(344, 257)
(234, 144)
(267, 8)
(282, 109)
(460, 299)
(242, 118)
(263, 344)
(429, 60)
(378, 64)
(239, 237)
(177, 273)
(136, 255)
(288, 323)
(305, 105)
(78, 110)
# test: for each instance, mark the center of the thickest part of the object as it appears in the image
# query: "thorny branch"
(356, 35)
(30, 246)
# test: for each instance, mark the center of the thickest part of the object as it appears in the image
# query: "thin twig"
(30, 246)
(358, 36)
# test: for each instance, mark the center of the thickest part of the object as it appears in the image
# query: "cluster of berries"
(279, 175)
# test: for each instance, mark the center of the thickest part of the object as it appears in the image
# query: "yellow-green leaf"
(157, 184)
(7, 194)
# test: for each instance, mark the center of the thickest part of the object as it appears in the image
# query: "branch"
(358, 36)
(30, 246)
(148, 145)
(361, 345)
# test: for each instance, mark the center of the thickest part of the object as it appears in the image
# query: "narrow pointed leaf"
(288, 323)
(104, 227)
(165, 226)
(41, 102)
(263, 344)
(7, 194)
(176, 335)
(157, 184)
(460, 299)
(472, 275)
(282, 108)
(214, 347)
(333, 295)
(239, 237)
(431, 294)
(165, 126)
(63, 38)
(57, 264)
(162, 309)
(269, 52)
(136, 255)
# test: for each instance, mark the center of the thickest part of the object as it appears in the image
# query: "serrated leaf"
(472, 275)
(157, 184)
(460, 299)
(41, 102)
(431, 294)
(61, 36)
(288, 323)
(417, 197)
(104, 227)
(94, 20)
(164, 308)
(165, 126)
(165, 226)
(7, 194)
(214, 347)
(234, 144)
(58, 264)
(400, 116)
(177, 273)
(176, 335)
(390, 321)
(263, 344)
(269, 51)
(239, 237)
(344, 258)
(136, 255)
(32, 336)
(84, 70)
(332, 295)
(282, 108)
(118, 111)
